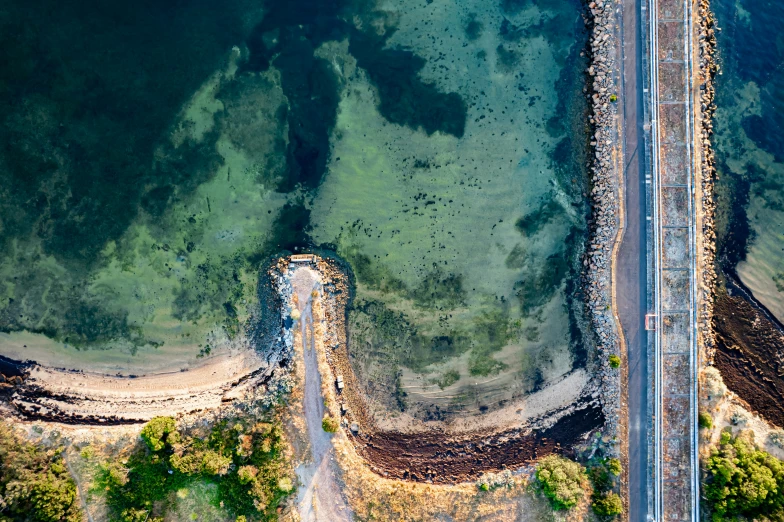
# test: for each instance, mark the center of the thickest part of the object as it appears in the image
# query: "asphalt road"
(631, 277)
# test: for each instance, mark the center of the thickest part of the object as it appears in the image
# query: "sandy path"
(320, 498)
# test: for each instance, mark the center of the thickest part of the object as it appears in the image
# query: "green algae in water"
(428, 144)
(749, 152)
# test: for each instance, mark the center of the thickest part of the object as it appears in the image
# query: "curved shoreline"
(78, 397)
(438, 452)
(84, 397)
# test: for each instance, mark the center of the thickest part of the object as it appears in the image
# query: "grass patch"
(329, 424)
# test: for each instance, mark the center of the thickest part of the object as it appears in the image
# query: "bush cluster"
(34, 483)
(561, 480)
(244, 460)
(604, 501)
(329, 424)
(743, 481)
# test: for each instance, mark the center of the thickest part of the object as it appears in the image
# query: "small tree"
(615, 361)
(160, 431)
(614, 465)
(705, 420)
(561, 480)
(247, 473)
(214, 463)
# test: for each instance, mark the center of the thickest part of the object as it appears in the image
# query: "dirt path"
(320, 498)
(78, 488)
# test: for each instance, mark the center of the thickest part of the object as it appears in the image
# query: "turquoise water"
(154, 155)
(750, 145)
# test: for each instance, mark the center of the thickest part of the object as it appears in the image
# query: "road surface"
(631, 278)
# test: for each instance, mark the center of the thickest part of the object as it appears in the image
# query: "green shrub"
(247, 474)
(615, 361)
(34, 483)
(329, 424)
(614, 465)
(214, 463)
(743, 481)
(705, 420)
(613, 98)
(561, 480)
(156, 432)
(607, 505)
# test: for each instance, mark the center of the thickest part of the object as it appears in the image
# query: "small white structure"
(339, 382)
(302, 258)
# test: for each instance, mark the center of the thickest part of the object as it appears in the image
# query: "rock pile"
(707, 70)
(605, 196)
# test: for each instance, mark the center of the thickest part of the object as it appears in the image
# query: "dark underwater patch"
(514, 6)
(766, 133)
(91, 89)
(473, 28)
(506, 59)
(737, 233)
(406, 99)
(438, 290)
(291, 228)
(539, 287)
(532, 223)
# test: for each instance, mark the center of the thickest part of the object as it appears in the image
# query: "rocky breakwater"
(605, 195)
(708, 68)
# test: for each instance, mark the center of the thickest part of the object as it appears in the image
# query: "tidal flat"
(150, 166)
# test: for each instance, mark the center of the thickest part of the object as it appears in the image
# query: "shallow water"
(154, 156)
(750, 145)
